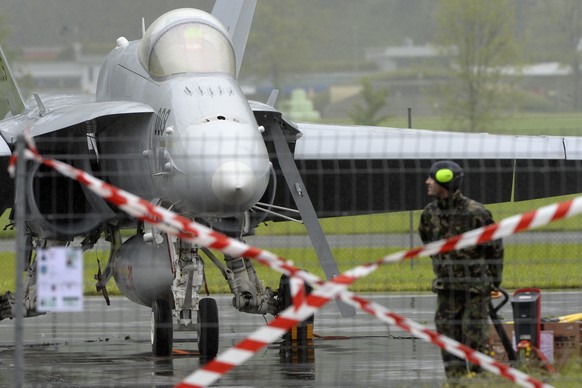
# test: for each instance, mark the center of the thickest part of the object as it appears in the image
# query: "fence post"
(19, 220)
(411, 213)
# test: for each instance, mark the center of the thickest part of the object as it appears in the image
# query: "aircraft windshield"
(184, 45)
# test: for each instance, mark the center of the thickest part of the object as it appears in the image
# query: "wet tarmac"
(110, 346)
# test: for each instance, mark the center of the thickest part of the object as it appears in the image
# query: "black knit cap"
(447, 174)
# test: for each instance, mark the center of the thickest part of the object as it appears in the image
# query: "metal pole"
(411, 216)
(19, 219)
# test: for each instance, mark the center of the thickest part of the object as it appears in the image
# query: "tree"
(374, 101)
(560, 22)
(478, 37)
(282, 39)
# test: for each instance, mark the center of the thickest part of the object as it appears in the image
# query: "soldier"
(464, 278)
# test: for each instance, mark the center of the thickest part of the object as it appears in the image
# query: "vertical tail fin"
(10, 98)
(237, 17)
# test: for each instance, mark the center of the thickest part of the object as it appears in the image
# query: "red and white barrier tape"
(244, 350)
(175, 224)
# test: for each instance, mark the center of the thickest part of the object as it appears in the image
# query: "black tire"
(162, 331)
(208, 332)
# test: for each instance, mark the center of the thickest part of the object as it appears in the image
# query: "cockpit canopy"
(186, 41)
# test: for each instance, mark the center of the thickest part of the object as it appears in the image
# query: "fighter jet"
(170, 123)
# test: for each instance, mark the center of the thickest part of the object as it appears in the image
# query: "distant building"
(401, 57)
(69, 69)
(57, 69)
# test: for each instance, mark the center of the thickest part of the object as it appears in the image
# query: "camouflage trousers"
(462, 316)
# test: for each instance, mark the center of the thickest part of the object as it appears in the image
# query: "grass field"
(386, 223)
(536, 265)
(400, 222)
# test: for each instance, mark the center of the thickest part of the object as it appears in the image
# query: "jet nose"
(218, 168)
(234, 183)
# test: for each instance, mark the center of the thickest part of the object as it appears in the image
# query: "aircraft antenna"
(273, 97)
(143, 27)
(41, 108)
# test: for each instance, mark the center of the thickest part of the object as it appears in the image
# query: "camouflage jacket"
(478, 269)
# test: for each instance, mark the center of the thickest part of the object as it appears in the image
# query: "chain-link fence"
(141, 307)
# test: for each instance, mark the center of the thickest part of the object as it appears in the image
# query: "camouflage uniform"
(464, 278)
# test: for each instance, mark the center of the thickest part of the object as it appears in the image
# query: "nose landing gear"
(183, 302)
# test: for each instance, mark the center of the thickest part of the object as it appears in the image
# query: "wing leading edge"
(360, 142)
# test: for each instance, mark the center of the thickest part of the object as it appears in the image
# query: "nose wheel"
(162, 331)
(208, 328)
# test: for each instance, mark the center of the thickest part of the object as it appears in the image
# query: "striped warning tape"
(244, 350)
(175, 224)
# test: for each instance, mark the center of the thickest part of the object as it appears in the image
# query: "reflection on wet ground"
(109, 346)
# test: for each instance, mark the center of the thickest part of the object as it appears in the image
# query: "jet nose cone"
(234, 183)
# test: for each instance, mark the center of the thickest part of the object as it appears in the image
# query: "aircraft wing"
(531, 166)
(69, 116)
(47, 120)
(349, 170)
(361, 142)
